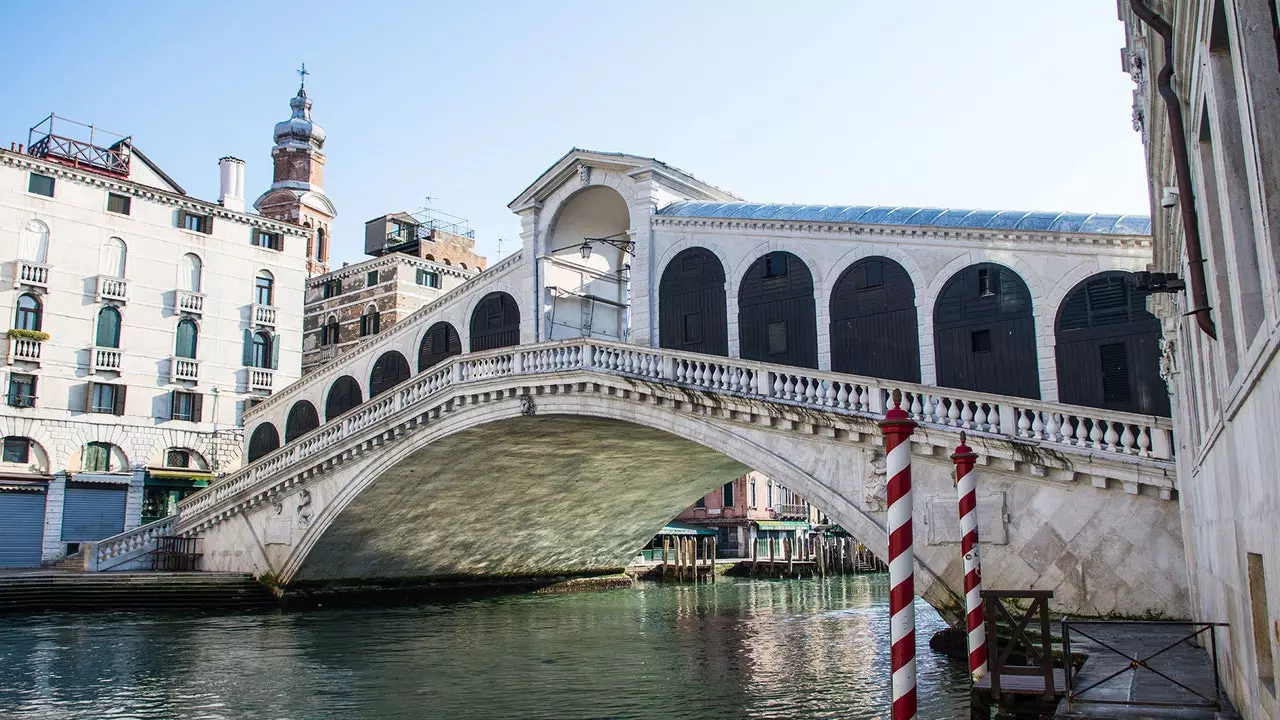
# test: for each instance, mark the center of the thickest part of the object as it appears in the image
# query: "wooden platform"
(1025, 684)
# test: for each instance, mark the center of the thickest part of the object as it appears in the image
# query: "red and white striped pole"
(897, 428)
(967, 492)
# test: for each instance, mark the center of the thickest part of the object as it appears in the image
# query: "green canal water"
(735, 649)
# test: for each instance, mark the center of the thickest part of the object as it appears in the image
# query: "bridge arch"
(777, 318)
(495, 322)
(343, 395)
(439, 343)
(302, 419)
(264, 440)
(985, 333)
(873, 321)
(1107, 348)
(692, 306)
(389, 370)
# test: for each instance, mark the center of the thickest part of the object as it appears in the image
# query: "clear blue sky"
(1004, 104)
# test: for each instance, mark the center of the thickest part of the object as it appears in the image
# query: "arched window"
(329, 333)
(263, 288)
(111, 259)
(495, 322)
(370, 321)
(984, 333)
(447, 262)
(302, 419)
(30, 314)
(265, 439)
(323, 236)
(390, 370)
(430, 257)
(260, 356)
(35, 241)
(344, 395)
(777, 320)
(439, 344)
(184, 345)
(462, 265)
(108, 334)
(97, 457)
(873, 322)
(189, 272)
(692, 314)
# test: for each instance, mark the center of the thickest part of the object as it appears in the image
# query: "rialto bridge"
(656, 337)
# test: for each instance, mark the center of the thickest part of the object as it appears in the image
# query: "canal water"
(735, 649)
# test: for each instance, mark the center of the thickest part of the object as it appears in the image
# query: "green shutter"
(275, 352)
(247, 358)
(197, 408)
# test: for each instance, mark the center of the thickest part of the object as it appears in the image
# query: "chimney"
(231, 194)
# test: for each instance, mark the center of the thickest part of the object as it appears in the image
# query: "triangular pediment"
(566, 168)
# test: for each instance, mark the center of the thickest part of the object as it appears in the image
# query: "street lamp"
(626, 246)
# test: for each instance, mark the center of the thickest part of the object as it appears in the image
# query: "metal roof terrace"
(79, 145)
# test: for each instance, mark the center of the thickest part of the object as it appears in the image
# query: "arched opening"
(389, 370)
(329, 334)
(370, 321)
(692, 313)
(30, 313)
(585, 277)
(111, 261)
(439, 344)
(985, 333)
(302, 419)
(343, 395)
(184, 345)
(1107, 347)
(35, 241)
(495, 322)
(873, 322)
(261, 350)
(777, 321)
(264, 288)
(189, 273)
(108, 330)
(264, 440)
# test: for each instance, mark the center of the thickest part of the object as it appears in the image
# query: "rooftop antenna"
(500, 241)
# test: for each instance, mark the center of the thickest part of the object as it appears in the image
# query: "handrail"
(103, 551)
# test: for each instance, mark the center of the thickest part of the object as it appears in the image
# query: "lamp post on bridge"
(897, 427)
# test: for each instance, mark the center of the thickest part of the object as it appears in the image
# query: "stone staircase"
(73, 562)
(41, 590)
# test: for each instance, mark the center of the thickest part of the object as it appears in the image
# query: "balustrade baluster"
(842, 395)
(1126, 440)
(980, 416)
(966, 415)
(1051, 427)
(1024, 422)
(1111, 436)
(1095, 433)
(1144, 441)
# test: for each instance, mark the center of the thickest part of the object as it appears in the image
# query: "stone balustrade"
(261, 379)
(129, 545)
(24, 349)
(183, 369)
(264, 315)
(112, 288)
(103, 358)
(189, 302)
(32, 273)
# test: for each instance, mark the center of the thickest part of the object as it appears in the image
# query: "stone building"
(1207, 105)
(749, 509)
(143, 320)
(416, 259)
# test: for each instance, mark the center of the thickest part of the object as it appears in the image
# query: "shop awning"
(32, 485)
(180, 474)
(101, 478)
(789, 525)
(679, 528)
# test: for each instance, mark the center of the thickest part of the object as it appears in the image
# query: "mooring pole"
(897, 427)
(967, 493)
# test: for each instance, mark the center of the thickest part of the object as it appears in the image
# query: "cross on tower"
(302, 73)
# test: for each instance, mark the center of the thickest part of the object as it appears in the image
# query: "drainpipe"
(1182, 170)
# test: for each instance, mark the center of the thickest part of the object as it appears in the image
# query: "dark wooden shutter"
(173, 404)
(275, 351)
(207, 225)
(120, 393)
(197, 407)
(377, 322)
(1115, 373)
(88, 397)
(247, 355)
(182, 218)
(34, 391)
(280, 241)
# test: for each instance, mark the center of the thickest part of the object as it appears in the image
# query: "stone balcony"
(263, 315)
(104, 359)
(791, 511)
(24, 350)
(31, 273)
(261, 379)
(186, 301)
(112, 288)
(183, 369)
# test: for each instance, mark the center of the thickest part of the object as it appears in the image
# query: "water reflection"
(754, 649)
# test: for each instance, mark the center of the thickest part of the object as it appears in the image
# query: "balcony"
(263, 315)
(104, 359)
(183, 369)
(191, 303)
(25, 350)
(791, 511)
(31, 273)
(260, 379)
(112, 288)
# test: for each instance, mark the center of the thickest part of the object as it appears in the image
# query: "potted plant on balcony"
(36, 335)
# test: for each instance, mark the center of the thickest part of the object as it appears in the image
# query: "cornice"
(388, 261)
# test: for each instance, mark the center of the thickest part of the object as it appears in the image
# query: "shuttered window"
(1115, 373)
(186, 406)
(106, 398)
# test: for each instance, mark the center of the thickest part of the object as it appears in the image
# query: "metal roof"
(919, 216)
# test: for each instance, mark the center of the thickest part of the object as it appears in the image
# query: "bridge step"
(40, 591)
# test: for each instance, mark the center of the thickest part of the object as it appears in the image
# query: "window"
(269, 240)
(371, 278)
(769, 499)
(700, 502)
(777, 338)
(987, 285)
(189, 272)
(370, 322)
(1261, 620)
(195, 222)
(751, 499)
(106, 398)
(97, 457)
(119, 203)
(261, 355)
(329, 334)
(775, 265)
(40, 185)
(17, 450)
(262, 288)
(1115, 372)
(726, 495)
(35, 241)
(185, 406)
(873, 274)
(692, 328)
(111, 258)
(429, 279)
(108, 335)
(184, 345)
(22, 390)
(331, 288)
(29, 313)
(980, 341)
(175, 457)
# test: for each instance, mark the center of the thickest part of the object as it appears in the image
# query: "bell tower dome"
(297, 194)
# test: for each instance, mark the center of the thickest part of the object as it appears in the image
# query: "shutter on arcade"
(93, 512)
(21, 528)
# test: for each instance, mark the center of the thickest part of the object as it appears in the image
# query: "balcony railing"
(264, 315)
(189, 302)
(25, 350)
(101, 358)
(112, 288)
(791, 511)
(183, 369)
(31, 273)
(260, 379)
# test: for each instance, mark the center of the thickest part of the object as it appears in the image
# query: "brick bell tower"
(297, 194)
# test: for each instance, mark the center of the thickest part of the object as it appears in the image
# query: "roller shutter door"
(21, 528)
(93, 513)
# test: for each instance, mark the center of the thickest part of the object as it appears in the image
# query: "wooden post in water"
(715, 542)
(770, 556)
(666, 543)
(789, 547)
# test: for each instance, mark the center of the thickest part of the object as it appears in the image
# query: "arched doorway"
(439, 344)
(692, 315)
(495, 322)
(343, 395)
(873, 322)
(1108, 348)
(985, 334)
(302, 419)
(777, 321)
(389, 370)
(586, 289)
(264, 440)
